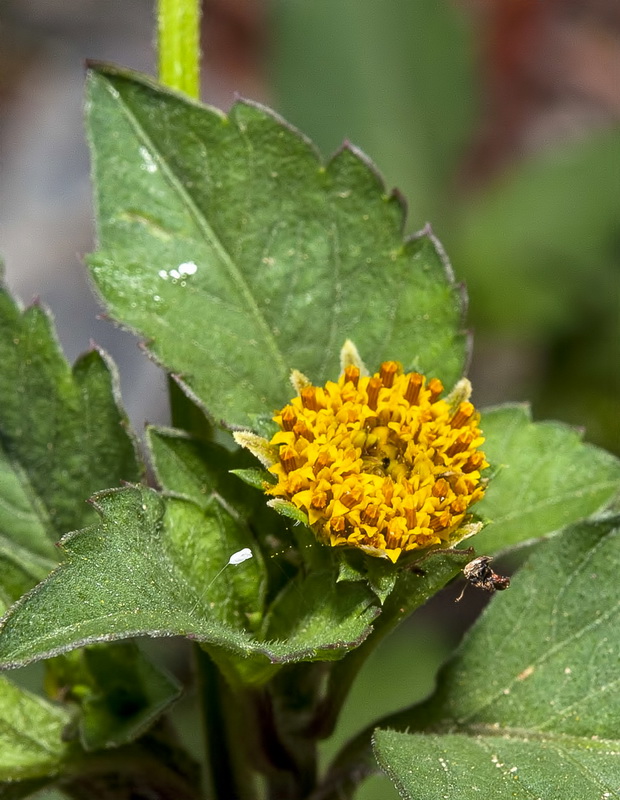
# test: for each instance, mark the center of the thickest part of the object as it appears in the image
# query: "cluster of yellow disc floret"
(382, 462)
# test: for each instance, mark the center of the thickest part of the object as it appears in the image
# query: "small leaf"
(198, 469)
(287, 509)
(313, 604)
(156, 566)
(226, 243)
(545, 477)
(380, 574)
(528, 707)
(254, 477)
(119, 691)
(201, 471)
(31, 735)
(62, 437)
(26, 553)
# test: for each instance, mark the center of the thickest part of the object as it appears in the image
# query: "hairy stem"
(228, 774)
(178, 27)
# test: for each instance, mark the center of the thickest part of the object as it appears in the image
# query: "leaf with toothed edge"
(63, 436)
(153, 566)
(238, 255)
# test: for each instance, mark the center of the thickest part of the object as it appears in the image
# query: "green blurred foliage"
(538, 246)
(395, 78)
(400, 671)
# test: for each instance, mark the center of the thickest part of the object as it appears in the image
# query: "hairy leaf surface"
(62, 437)
(528, 707)
(153, 566)
(238, 255)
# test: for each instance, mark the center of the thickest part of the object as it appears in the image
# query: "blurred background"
(499, 120)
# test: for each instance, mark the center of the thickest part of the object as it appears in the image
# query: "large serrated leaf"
(227, 244)
(62, 437)
(31, 735)
(529, 705)
(153, 566)
(544, 477)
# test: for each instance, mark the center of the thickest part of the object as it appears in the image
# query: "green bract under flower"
(382, 463)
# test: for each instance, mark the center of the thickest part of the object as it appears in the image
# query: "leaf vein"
(210, 235)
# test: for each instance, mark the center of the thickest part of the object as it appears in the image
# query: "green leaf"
(62, 437)
(31, 735)
(426, 767)
(199, 470)
(310, 605)
(119, 691)
(227, 244)
(529, 706)
(255, 477)
(545, 477)
(26, 553)
(157, 566)
(412, 588)
(378, 572)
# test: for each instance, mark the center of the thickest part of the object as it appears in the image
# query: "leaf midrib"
(206, 230)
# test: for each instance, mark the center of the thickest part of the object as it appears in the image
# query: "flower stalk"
(178, 34)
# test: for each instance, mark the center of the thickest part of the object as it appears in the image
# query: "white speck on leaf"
(147, 160)
(240, 556)
(187, 268)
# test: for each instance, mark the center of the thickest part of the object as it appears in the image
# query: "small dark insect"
(479, 574)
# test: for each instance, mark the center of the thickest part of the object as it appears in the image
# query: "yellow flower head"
(381, 463)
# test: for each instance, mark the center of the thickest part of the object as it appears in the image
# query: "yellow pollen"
(382, 463)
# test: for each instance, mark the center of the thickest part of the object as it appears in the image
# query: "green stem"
(178, 26)
(228, 773)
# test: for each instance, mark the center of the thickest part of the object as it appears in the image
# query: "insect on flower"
(478, 573)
